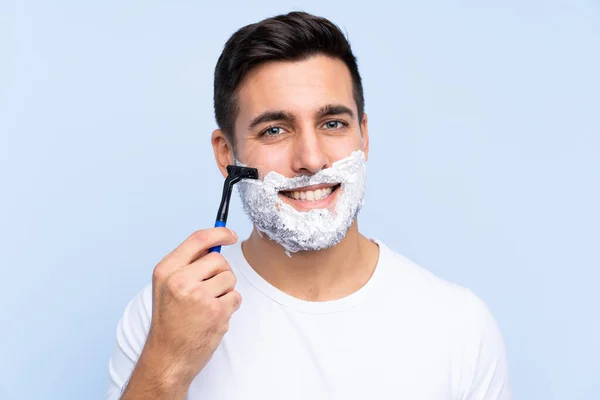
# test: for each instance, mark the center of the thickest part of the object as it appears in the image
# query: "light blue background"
(484, 121)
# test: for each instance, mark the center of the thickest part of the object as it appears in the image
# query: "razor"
(234, 175)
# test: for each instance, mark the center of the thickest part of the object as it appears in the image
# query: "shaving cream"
(316, 229)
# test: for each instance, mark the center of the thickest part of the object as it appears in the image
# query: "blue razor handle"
(218, 224)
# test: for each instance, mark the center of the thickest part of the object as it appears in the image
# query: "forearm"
(155, 379)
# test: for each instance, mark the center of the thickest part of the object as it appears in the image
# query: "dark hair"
(291, 37)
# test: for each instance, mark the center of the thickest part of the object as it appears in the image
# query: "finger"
(196, 245)
(220, 284)
(231, 301)
(204, 268)
(193, 276)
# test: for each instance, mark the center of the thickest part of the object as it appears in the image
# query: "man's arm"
(136, 371)
(152, 379)
(169, 333)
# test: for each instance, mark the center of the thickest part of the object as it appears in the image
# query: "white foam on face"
(316, 229)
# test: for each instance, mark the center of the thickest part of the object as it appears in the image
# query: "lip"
(306, 205)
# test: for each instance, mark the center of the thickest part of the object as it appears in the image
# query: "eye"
(272, 131)
(335, 124)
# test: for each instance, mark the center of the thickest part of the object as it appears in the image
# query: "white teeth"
(310, 195)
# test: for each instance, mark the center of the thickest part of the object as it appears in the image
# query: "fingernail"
(234, 234)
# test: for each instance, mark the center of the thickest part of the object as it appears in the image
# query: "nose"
(309, 157)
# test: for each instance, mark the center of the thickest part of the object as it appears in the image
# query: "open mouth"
(311, 193)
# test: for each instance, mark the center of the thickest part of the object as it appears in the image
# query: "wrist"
(164, 372)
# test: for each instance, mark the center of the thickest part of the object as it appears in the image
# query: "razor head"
(234, 175)
(238, 173)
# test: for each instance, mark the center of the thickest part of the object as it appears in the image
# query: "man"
(327, 313)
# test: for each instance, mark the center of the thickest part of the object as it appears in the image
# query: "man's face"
(297, 118)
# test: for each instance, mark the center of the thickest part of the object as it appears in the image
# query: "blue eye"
(334, 124)
(272, 131)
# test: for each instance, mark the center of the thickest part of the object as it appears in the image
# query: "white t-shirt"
(406, 335)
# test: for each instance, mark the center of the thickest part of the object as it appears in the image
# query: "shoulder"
(456, 306)
(141, 303)
(412, 280)
(460, 316)
(135, 322)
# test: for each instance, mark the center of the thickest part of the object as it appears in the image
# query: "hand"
(193, 300)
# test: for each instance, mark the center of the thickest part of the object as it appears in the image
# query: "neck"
(314, 275)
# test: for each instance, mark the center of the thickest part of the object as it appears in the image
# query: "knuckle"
(224, 327)
(220, 263)
(232, 279)
(237, 299)
(159, 274)
(198, 296)
(226, 266)
(177, 285)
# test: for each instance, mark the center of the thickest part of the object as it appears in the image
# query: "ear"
(364, 129)
(223, 150)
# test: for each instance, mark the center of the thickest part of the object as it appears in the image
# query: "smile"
(313, 193)
(317, 196)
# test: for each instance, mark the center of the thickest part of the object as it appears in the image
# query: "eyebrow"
(281, 115)
(334, 109)
(269, 116)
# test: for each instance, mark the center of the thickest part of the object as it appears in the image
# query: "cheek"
(267, 161)
(344, 149)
